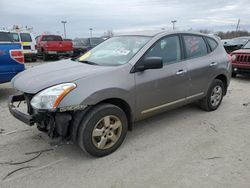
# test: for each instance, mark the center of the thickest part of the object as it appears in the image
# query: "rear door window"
(4, 37)
(25, 37)
(195, 46)
(212, 43)
(167, 48)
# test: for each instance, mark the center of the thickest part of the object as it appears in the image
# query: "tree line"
(232, 34)
(227, 34)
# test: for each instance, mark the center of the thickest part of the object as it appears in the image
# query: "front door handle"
(180, 72)
(213, 64)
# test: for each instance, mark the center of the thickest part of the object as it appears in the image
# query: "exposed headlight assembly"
(50, 98)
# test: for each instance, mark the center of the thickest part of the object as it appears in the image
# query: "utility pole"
(64, 27)
(238, 25)
(90, 30)
(173, 22)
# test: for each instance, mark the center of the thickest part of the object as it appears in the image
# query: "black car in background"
(236, 43)
(82, 45)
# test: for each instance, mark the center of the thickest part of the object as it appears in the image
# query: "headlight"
(50, 98)
(234, 57)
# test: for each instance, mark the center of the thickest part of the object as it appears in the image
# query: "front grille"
(243, 58)
(26, 47)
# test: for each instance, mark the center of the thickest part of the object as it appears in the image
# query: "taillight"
(17, 55)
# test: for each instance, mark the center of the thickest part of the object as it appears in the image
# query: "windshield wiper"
(88, 62)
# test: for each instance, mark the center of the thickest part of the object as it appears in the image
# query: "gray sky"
(120, 15)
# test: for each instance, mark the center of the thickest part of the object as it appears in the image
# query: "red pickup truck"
(241, 60)
(53, 46)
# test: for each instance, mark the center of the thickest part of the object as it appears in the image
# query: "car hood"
(242, 51)
(40, 77)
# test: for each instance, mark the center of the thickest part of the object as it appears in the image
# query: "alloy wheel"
(216, 96)
(107, 132)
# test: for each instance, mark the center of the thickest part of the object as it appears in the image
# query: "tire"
(217, 91)
(234, 74)
(34, 59)
(45, 57)
(99, 138)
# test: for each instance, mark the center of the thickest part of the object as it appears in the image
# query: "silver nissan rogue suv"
(95, 99)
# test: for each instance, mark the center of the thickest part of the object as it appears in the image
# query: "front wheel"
(103, 130)
(214, 96)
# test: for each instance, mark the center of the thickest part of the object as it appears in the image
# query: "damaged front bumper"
(32, 116)
(63, 122)
(25, 118)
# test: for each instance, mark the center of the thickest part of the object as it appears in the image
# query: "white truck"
(28, 43)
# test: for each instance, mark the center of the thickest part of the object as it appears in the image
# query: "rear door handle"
(213, 64)
(180, 72)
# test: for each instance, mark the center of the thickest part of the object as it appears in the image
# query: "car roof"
(152, 33)
(149, 33)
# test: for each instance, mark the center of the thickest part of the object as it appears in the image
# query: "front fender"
(109, 93)
(113, 83)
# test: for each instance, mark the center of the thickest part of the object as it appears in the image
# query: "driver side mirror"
(148, 63)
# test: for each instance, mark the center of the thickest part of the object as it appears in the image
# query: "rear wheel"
(214, 96)
(103, 130)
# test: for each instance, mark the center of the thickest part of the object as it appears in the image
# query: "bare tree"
(108, 33)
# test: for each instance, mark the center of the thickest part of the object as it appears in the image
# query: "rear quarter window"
(212, 43)
(195, 46)
(4, 37)
(25, 37)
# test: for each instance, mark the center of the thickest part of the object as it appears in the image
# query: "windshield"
(115, 51)
(247, 46)
(237, 41)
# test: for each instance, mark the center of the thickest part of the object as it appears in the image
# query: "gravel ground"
(185, 147)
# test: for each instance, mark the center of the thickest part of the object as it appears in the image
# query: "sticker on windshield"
(84, 56)
(122, 51)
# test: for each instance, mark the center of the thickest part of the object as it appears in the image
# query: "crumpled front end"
(57, 123)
